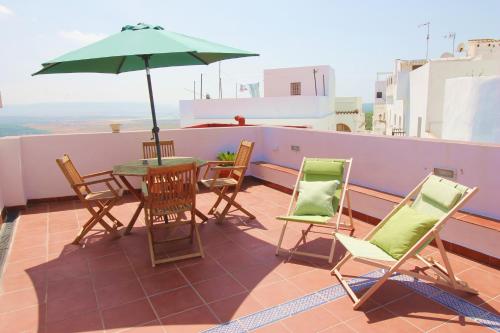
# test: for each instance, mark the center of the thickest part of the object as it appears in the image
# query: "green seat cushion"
(362, 249)
(316, 198)
(314, 219)
(405, 228)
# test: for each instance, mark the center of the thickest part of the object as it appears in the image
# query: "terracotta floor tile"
(151, 327)
(119, 293)
(35, 280)
(81, 301)
(87, 322)
(486, 284)
(205, 270)
(20, 299)
(421, 311)
(293, 267)
(276, 293)
(339, 328)
(194, 320)
(69, 288)
(382, 321)
(313, 320)
(108, 262)
(129, 314)
(235, 307)
(218, 288)
(114, 276)
(256, 276)
(175, 301)
(28, 319)
(156, 283)
(342, 308)
(313, 280)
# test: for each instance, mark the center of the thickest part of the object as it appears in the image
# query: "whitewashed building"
(298, 96)
(426, 95)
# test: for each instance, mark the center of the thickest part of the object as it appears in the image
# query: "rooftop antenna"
(428, 36)
(451, 36)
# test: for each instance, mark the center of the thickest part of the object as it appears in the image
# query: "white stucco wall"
(472, 109)
(419, 86)
(315, 111)
(440, 70)
(277, 81)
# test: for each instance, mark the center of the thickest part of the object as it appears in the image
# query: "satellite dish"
(460, 47)
(447, 55)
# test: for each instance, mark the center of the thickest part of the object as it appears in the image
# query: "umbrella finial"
(141, 26)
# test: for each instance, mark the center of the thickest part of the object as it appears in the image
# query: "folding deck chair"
(98, 203)
(312, 170)
(223, 185)
(170, 192)
(405, 232)
(166, 147)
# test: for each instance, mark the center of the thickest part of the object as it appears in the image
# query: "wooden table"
(139, 168)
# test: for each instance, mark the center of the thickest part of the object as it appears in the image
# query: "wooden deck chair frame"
(167, 149)
(222, 185)
(445, 275)
(98, 203)
(336, 225)
(175, 187)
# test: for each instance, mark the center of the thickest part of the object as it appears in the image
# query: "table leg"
(138, 195)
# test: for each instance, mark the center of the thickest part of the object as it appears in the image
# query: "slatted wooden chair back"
(72, 175)
(171, 189)
(166, 147)
(242, 159)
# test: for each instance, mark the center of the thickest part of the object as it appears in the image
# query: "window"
(379, 94)
(295, 88)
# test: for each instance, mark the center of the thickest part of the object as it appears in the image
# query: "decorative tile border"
(6, 233)
(279, 312)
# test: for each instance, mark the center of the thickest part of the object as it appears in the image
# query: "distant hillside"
(88, 110)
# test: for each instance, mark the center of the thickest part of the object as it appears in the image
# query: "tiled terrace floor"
(109, 284)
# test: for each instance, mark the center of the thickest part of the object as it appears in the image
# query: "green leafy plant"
(226, 156)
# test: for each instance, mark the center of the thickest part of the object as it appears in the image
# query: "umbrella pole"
(155, 129)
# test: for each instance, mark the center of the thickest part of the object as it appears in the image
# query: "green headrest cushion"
(440, 193)
(326, 167)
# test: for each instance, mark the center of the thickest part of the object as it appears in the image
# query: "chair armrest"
(100, 181)
(214, 164)
(229, 167)
(218, 162)
(96, 174)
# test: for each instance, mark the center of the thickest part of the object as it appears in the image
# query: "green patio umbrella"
(139, 47)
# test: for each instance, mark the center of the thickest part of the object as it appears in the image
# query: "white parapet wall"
(310, 111)
(472, 109)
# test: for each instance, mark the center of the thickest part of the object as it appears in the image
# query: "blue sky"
(357, 38)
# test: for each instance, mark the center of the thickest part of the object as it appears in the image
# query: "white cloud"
(81, 37)
(4, 10)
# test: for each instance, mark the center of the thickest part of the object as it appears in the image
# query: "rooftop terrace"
(49, 285)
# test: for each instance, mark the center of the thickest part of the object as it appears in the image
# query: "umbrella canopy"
(124, 51)
(141, 47)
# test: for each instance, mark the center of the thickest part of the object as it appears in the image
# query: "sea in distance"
(53, 118)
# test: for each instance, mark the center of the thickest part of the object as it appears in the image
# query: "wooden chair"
(233, 181)
(320, 169)
(98, 203)
(169, 192)
(435, 197)
(149, 149)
